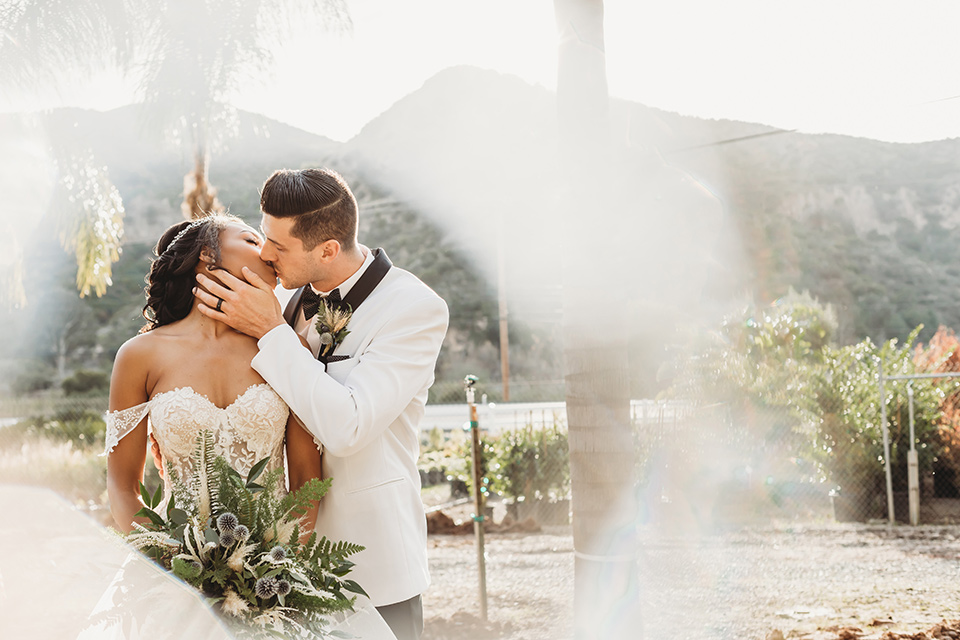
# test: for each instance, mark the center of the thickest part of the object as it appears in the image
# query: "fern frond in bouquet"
(237, 541)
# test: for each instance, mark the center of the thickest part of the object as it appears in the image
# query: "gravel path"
(529, 587)
(809, 581)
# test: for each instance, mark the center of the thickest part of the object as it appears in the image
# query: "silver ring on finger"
(219, 304)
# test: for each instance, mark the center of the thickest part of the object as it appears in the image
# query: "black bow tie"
(310, 301)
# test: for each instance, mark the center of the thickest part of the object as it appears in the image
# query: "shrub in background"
(85, 382)
(531, 463)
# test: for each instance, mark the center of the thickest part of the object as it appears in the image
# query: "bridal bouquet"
(238, 542)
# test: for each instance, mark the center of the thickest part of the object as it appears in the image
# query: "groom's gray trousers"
(405, 618)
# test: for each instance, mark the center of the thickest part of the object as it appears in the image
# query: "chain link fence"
(732, 460)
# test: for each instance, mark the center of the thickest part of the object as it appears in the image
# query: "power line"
(732, 140)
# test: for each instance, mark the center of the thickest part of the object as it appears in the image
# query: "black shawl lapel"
(364, 287)
(293, 305)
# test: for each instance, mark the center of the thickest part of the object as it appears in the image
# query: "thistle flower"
(278, 554)
(227, 522)
(266, 588)
(227, 539)
(242, 533)
(326, 338)
(283, 587)
(233, 604)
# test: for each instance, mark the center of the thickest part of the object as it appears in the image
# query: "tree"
(596, 369)
(187, 57)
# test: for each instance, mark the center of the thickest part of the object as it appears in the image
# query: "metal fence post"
(886, 446)
(468, 383)
(913, 474)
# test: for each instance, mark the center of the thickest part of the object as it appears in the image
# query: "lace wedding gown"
(247, 430)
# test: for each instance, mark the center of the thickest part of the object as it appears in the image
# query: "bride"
(186, 372)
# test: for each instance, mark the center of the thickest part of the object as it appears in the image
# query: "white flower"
(233, 604)
(273, 618)
(237, 558)
(284, 531)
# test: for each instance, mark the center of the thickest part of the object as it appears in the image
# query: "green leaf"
(177, 533)
(145, 495)
(177, 516)
(294, 535)
(336, 633)
(157, 496)
(153, 515)
(353, 587)
(256, 470)
(185, 569)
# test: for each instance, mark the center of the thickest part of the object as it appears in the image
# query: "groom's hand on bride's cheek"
(248, 306)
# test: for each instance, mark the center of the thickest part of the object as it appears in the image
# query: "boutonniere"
(332, 321)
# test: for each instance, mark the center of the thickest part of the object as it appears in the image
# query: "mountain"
(57, 333)
(460, 181)
(865, 225)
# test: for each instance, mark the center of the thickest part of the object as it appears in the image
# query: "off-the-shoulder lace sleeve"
(122, 422)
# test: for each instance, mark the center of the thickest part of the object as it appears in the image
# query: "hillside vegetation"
(459, 180)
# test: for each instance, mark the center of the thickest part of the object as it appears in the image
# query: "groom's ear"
(329, 250)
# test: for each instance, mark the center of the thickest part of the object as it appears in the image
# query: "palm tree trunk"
(602, 460)
(199, 197)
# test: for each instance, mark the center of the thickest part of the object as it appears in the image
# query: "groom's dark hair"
(319, 199)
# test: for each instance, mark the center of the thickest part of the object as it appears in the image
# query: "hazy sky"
(882, 68)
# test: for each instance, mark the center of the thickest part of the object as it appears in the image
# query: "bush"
(849, 441)
(526, 463)
(84, 429)
(85, 382)
(34, 376)
(531, 463)
(459, 467)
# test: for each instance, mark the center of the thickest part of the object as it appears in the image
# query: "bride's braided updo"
(172, 277)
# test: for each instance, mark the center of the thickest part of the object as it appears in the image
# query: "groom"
(361, 399)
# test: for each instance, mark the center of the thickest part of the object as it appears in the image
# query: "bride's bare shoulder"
(142, 346)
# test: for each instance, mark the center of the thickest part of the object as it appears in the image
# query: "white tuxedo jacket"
(366, 411)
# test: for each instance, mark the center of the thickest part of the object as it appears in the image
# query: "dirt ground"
(815, 581)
